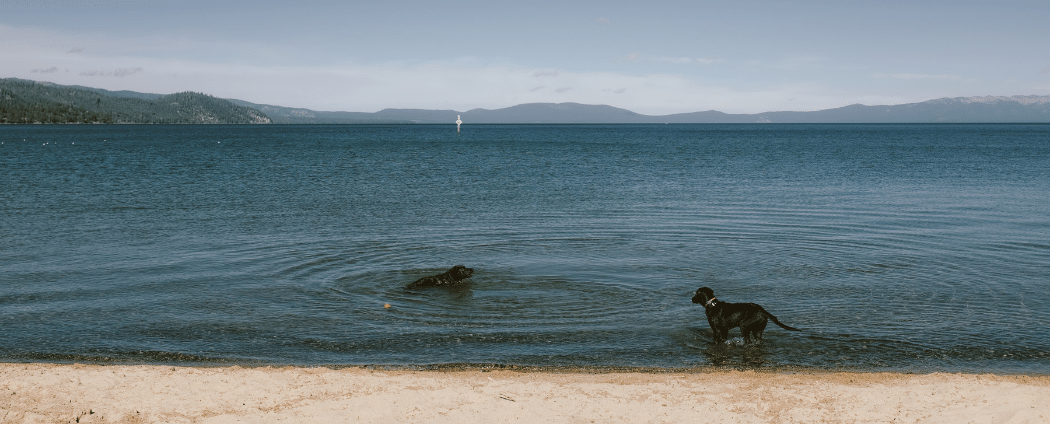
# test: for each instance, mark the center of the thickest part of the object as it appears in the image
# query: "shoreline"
(524, 368)
(47, 392)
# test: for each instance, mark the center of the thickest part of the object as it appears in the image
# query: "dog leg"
(723, 335)
(754, 329)
(714, 331)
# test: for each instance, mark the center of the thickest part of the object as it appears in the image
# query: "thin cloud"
(604, 21)
(797, 63)
(907, 76)
(687, 60)
(123, 72)
(537, 88)
(545, 74)
(50, 70)
(631, 57)
(119, 73)
(676, 59)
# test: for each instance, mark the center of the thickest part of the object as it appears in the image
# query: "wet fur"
(449, 278)
(722, 316)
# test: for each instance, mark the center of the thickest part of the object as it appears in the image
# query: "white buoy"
(458, 123)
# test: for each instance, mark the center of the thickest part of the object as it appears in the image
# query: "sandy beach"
(50, 393)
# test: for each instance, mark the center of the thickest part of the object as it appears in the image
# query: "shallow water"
(895, 247)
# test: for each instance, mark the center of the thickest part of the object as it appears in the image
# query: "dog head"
(703, 295)
(460, 272)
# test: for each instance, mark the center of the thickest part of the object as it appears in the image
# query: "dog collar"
(709, 302)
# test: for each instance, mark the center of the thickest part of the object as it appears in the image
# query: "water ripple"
(892, 247)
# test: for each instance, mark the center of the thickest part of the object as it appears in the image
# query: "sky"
(652, 57)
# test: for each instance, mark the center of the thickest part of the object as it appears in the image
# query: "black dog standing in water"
(750, 317)
(449, 278)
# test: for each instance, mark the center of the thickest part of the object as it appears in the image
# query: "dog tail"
(777, 322)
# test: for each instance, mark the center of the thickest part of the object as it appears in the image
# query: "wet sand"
(50, 393)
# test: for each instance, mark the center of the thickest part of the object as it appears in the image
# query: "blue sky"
(652, 57)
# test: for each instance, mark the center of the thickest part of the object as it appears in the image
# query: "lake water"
(894, 247)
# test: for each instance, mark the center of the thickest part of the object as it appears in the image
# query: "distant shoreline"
(435, 124)
(531, 369)
(28, 101)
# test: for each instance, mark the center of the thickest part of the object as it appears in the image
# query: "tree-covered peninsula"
(31, 102)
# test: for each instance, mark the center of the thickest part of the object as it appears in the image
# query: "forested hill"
(31, 102)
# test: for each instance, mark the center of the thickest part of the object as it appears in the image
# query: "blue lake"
(894, 247)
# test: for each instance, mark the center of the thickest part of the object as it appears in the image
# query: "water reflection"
(734, 353)
(463, 290)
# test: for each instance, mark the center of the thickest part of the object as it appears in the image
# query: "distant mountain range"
(23, 96)
(954, 110)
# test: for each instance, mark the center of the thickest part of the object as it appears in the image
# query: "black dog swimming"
(750, 317)
(449, 278)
